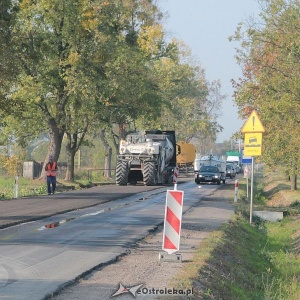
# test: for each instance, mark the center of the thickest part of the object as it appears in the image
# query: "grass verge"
(27, 187)
(250, 261)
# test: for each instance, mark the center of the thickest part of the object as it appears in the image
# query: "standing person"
(51, 169)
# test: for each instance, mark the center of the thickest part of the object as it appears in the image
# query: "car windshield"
(209, 169)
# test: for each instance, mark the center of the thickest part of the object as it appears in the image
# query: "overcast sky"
(205, 26)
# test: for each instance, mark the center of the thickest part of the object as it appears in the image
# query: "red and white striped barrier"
(172, 224)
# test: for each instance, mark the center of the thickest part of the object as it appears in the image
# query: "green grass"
(243, 261)
(26, 187)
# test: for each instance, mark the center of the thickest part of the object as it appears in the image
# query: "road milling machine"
(148, 157)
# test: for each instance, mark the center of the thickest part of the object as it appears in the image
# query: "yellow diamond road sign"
(253, 124)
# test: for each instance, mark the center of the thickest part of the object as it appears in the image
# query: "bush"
(11, 164)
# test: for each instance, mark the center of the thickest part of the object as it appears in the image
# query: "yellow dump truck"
(187, 154)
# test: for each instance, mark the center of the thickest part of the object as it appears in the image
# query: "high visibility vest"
(51, 171)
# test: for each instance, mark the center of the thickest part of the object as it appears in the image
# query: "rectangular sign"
(252, 144)
(246, 159)
(232, 153)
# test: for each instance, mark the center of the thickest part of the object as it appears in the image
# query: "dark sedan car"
(230, 171)
(209, 174)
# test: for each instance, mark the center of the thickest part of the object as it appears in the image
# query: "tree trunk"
(122, 130)
(108, 154)
(107, 163)
(70, 165)
(72, 147)
(75, 140)
(294, 182)
(116, 141)
(293, 178)
(56, 137)
(287, 175)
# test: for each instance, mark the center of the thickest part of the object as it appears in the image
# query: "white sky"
(205, 26)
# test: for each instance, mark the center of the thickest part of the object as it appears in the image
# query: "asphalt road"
(55, 239)
(28, 209)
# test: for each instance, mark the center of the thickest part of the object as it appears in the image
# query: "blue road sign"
(246, 160)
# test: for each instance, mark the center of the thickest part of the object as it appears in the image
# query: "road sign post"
(253, 129)
(251, 192)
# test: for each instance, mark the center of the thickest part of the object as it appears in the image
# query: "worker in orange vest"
(51, 170)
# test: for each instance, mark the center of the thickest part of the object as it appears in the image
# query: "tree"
(87, 65)
(7, 66)
(271, 81)
(64, 52)
(190, 103)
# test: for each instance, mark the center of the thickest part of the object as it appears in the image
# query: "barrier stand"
(176, 257)
(175, 177)
(16, 188)
(236, 190)
(172, 226)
